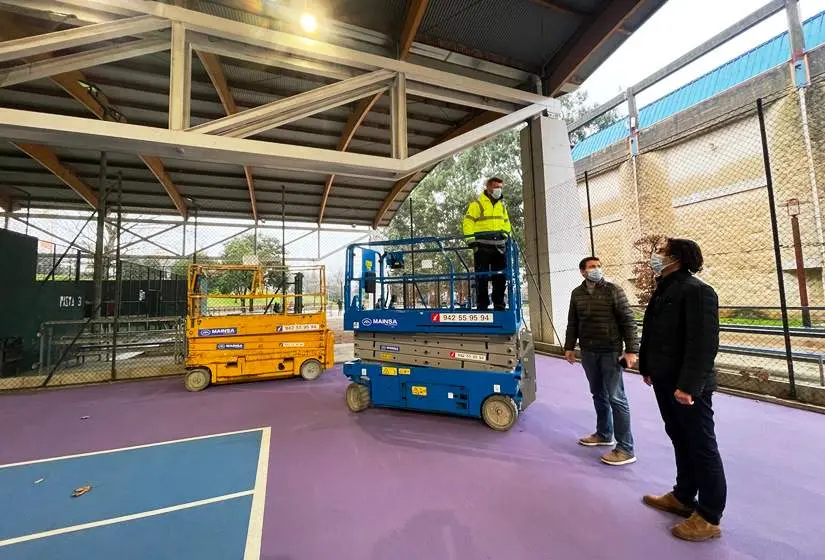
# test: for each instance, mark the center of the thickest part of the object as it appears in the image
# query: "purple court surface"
(389, 485)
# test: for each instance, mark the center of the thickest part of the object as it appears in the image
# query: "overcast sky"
(678, 27)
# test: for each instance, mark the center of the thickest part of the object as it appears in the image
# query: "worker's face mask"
(496, 193)
(595, 275)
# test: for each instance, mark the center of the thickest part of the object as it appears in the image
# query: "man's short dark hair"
(687, 252)
(584, 261)
(494, 180)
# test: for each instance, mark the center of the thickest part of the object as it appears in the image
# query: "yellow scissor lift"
(271, 334)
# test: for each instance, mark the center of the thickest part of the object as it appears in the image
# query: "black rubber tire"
(197, 379)
(311, 369)
(358, 397)
(499, 412)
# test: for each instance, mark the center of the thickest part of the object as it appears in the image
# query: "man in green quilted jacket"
(601, 320)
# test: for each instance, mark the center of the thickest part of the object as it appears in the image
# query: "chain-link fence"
(61, 327)
(745, 187)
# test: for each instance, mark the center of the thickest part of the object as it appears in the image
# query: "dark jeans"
(699, 467)
(489, 259)
(607, 387)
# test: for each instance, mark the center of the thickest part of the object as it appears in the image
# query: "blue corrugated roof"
(768, 55)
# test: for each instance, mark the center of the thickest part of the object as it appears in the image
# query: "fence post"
(589, 215)
(118, 275)
(776, 247)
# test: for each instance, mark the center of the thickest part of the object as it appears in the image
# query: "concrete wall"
(701, 175)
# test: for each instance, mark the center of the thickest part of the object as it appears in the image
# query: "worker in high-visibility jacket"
(486, 228)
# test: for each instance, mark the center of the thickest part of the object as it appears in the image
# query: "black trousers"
(699, 467)
(488, 259)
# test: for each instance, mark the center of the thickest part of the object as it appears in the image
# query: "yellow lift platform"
(266, 328)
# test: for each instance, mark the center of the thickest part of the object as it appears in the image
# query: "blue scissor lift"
(419, 345)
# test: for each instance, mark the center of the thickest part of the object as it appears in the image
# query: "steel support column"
(100, 239)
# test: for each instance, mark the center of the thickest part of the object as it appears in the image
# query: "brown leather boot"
(696, 529)
(668, 503)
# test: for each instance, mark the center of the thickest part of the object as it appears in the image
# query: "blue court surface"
(194, 498)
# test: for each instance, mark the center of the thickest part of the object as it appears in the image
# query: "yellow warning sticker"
(385, 356)
(419, 390)
(404, 371)
(389, 371)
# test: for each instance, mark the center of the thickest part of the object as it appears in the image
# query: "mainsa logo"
(380, 321)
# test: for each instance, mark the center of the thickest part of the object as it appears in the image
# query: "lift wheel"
(197, 379)
(358, 397)
(499, 412)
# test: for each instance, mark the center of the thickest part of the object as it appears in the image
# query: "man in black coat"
(680, 339)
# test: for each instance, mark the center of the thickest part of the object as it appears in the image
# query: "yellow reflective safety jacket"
(486, 221)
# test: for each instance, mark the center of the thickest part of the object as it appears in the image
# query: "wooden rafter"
(354, 121)
(48, 159)
(474, 122)
(73, 84)
(212, 65)
(576, 51)
(412, 21)
(6, 201)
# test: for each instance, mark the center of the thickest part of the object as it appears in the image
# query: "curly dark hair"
(584, 261)
(687, 252)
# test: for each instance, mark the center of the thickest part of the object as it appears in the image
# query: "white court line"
(256, 515)
(144, 446)
(114, 520)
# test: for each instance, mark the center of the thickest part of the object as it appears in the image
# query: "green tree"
(440, 200)
(575, 105)
(238, 249)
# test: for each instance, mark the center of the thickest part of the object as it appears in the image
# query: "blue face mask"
(657, 263)
(595, 275)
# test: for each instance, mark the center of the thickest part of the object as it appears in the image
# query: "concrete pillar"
(555, 232)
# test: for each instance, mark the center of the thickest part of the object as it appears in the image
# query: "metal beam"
(267, 57)
(749, 21)
(398, 117)
(56, 11)
(27, 126)
(51, 234)
(597, 111)
(578, 49)
(61, 64)
(201, 223)
(411, 23)
(442, 151)
(79, 36)
(180, 79)
(302, 46)
(73, 82)
(296, 107)
(711, 44)
(48, 159)
(147, 239)
(354, 121)
(458, 98)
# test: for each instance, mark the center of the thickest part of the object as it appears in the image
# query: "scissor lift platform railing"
(448, 358)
